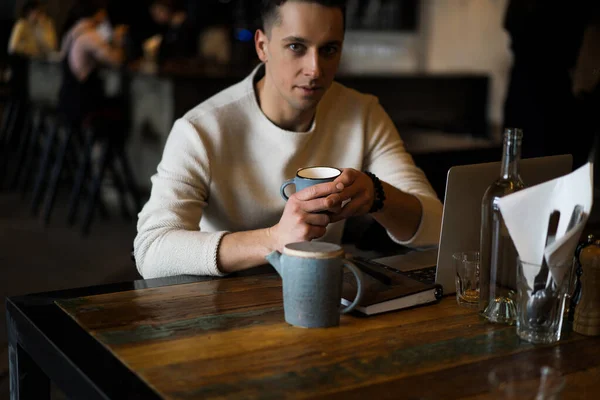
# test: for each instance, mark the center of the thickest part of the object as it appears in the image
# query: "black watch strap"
(379, 193)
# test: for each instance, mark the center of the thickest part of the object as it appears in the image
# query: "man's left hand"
(359, 190)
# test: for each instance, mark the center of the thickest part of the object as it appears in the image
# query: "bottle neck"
(511, 154)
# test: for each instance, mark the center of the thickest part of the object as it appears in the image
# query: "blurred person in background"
(33, 35)
(164, 28)
(88, 43)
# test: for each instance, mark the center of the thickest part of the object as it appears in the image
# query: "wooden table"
(190, 337)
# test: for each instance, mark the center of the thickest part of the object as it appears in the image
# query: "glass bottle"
(498, 255)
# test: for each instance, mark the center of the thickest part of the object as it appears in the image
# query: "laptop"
(461, 218)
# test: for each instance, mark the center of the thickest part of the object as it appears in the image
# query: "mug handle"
(359, 286)
(282, 190)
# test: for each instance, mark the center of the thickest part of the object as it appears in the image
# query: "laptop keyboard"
(426, 275)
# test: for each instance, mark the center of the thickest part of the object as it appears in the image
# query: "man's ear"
(261, 42)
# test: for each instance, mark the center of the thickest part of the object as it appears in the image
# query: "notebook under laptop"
(461, 219)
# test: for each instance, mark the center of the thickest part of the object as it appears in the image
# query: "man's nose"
(312, 66)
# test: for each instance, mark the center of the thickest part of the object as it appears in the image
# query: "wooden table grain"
(227, 338)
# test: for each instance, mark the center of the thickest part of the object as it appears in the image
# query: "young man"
(215, 206)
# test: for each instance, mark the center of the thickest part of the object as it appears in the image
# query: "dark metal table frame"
(45, 344)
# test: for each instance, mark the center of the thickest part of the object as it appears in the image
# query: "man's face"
(161, 14)
(303, 52)
(34, 16)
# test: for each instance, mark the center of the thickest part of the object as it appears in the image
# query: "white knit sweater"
(224, 162)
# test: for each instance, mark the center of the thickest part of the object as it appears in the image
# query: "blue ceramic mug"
(309, 176)
(312, 275)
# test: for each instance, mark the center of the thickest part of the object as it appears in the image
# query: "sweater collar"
(251, 80)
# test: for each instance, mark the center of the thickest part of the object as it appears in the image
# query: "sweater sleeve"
(387, 158)
(169, 241)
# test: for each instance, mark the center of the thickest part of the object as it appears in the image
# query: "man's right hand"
(303, 218)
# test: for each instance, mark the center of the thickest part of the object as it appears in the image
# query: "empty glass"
(467, 278)
(526, 382)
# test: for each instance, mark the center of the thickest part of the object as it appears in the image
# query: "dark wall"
(7, 15)
(383, 15)
(7, 9)
(451, 103)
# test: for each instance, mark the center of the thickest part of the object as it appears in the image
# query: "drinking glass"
(466, 264)
(541, 301)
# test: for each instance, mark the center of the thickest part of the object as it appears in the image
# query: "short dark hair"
(82, 9)
(269, 13)
(88, 8)
(29, 7)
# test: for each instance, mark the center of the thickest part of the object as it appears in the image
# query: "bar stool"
(62, 148)
(57, 147)
(5, 100)
(107, 133)
(41, 115)
(9, 103)
(17, 95)
(10, 117)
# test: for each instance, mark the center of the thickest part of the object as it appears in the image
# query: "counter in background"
(441, 118)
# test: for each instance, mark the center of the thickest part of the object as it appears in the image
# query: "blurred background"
(452, 74)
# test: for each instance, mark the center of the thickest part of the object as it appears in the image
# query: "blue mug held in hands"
(309, 176)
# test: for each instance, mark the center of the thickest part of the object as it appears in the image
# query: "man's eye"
(329, 50)
(295, 47)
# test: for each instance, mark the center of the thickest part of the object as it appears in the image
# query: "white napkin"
(526, 214)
